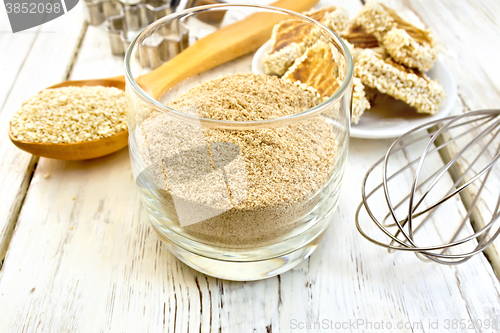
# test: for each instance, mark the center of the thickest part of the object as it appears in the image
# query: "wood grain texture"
(85, 259)
(31, 61)
(471, 54)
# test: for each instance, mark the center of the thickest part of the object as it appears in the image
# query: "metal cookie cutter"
(164, 44)
(97, 11)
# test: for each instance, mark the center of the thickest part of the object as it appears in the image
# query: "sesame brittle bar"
(360, 102)
(409, 85)
(291, 38)
(404, 42)
(322, 69)
(358, 38)
(319, 68)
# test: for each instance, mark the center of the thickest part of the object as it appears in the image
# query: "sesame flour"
(238, 187)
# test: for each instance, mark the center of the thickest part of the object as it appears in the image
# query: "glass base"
(242, 270)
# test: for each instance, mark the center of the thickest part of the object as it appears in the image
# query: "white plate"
(391, 118)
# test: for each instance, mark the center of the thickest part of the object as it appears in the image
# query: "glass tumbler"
(240, 171)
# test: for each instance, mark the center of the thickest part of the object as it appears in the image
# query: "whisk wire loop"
(444, 140)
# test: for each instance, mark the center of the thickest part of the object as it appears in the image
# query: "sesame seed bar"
(403, 83)
(405, 43)
(291, 38)
(357, 39)
(359, 101)
(319, 68)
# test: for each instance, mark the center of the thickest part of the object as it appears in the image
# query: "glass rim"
(237, 124)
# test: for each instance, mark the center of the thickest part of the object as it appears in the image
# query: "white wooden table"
(79, 254)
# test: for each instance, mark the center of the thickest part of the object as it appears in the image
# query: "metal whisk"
(460, 157)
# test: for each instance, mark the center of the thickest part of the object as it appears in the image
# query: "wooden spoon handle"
(223, 45)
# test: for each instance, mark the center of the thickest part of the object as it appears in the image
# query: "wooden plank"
(31, 60)
(482, 212)
(362, 281)
(94, 52)
(17, 182)
(471, 56)
(13, 61)
(85, 259)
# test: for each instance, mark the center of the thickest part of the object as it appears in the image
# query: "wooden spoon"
(78, 150)
(223, 45)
